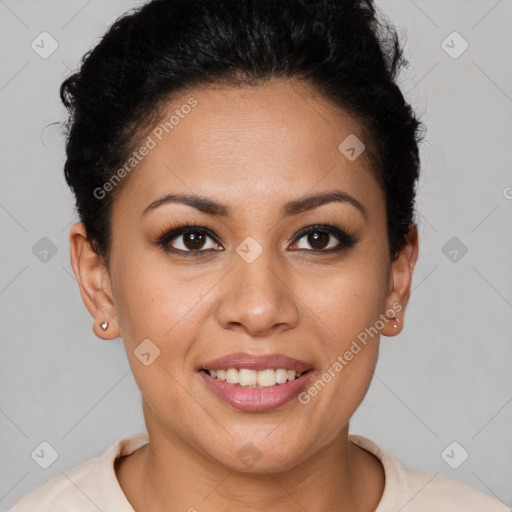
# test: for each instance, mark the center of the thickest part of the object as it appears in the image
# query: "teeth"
(266, 378)
(281, 376)
(247, 377)
(255, 379)
(232, 376)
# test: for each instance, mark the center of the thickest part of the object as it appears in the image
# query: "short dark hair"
(345, 49)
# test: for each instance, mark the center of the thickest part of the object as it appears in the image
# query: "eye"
(322, 238)
(188, 239)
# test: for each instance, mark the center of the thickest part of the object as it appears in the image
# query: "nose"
(258, 297)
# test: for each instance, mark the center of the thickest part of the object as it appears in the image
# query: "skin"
(252, 149)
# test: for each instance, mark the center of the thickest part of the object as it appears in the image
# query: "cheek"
(152, 300)
(160, 310)
(346, 309)
(349, 297)
(158, 320)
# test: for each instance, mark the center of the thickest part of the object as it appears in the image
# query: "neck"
(168, 473)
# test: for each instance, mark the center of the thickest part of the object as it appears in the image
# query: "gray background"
(445, 378)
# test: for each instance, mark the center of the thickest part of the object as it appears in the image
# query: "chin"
(259, 456)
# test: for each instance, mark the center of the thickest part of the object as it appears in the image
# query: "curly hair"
(345, 49)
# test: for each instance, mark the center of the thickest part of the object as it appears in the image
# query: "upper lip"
(257, 362)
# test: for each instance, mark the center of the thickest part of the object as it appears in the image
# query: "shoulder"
(61, 492)
(91, 486)
(412, 490)
(432, 491)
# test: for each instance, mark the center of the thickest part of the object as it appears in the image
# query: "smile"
(247, 394)
(245, 377)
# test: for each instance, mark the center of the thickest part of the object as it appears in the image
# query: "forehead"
(253, 143)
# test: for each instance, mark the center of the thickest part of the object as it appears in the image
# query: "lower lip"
(256, 399)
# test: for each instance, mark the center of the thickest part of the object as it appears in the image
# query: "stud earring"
(397, 320)
(104, 325)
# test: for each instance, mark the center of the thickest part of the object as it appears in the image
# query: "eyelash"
(169, 233)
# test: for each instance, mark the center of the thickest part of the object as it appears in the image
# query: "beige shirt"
(93, 486)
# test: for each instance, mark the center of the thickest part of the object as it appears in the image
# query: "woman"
(245, 173)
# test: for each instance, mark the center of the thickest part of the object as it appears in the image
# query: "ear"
(400, 283)
(94, 282)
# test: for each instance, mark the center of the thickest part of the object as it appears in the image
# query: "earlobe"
(400, 284)
(94, 283)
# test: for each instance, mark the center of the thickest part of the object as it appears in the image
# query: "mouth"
(256, 383)
(258, 379)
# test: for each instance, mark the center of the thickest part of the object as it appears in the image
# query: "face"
(256, 273)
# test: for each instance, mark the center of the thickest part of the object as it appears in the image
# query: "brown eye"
(318, 239)
(325, 239)
(193, 240)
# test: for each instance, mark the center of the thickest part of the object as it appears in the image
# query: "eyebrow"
(294, 207)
